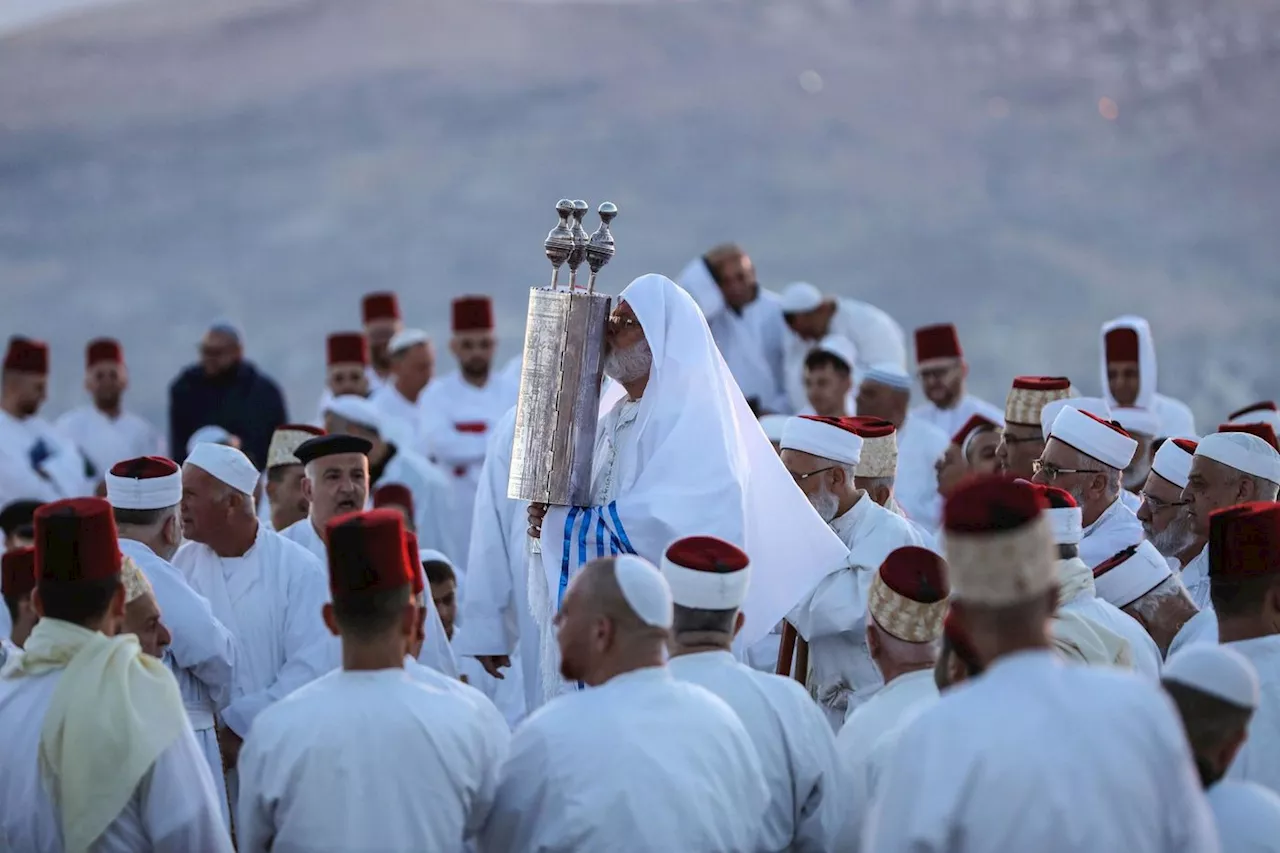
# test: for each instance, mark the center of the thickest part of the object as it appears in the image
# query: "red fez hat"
(915, 573)
(865, 426)
(367, 553)
(346, 348)
(990, 505)
(934, 343)
(145, 468)
(1121, 344)
(707, 554)
(1186, 444)
(393, 494)
(1262, 431)
(1111, 425)
(103, 349)
(960, 643)
(1245, 540)
(472, 314)
(975, 423)
(415, 562)
(18, 572)
(1042, 383)
(76, 541)
(380, 306)
(27, 356)
(1264, 406)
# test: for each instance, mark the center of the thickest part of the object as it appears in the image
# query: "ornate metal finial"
(559, 242)
(580, 239)
(600, 246)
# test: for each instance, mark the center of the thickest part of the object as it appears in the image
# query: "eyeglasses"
(1051, 472)
(800, 478)
(1158, 505)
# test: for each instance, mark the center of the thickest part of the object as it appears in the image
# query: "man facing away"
(943, 374)
(708, 578)
(679, 770)
(417, 771)
(1139, 581)
(97, 754)
(1052, 757)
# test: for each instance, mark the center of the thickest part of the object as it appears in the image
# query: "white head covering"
(226, 464)
(1146, 360)
(800, 297)
(1260, 414)
(645, 590)
(144, 492)
(1218, 671)
(773, 426)
(1067, 523)
(841, 347)
(888, 374)
(1092, 438)
(1125, 582)
(1173, 463)
(1093, 405)
(135, 582)
(211, 434)
(1133, 419)
(1243, 451)
(357, 409)
(406, 338)
(822, 439)
(431, 555)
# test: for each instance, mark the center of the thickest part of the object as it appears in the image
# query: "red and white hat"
(937, 344)
(1244, 540)
(27, 356)
(1259, 413)
(1173, 460)
(998, 542)
(367, 553)
(1094, 437)
(393, 494)
(147, 482)
(412, 556)
(1065, 515)
(1131, 574)
(879, 456)
(75, 540)
(836, 439)
(382, 305)
(102, 350)
(472, 314)
(1029, 395)
(346, 348)
(18, 572)
(975, 426)
(1242, 451)
(1093, 405)
(1120, 344)
(1261, 430)
(908, 595)
(706, 573)
(286, 440)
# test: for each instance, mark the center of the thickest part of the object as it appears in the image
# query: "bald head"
(601, 632)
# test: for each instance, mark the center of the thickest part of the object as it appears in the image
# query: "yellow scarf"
(113, 712)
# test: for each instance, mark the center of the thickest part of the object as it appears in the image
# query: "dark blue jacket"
(244, 402)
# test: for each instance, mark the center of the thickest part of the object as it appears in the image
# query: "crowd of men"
(798, 613)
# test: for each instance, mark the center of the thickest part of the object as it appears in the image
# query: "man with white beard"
(822, 455)
(1139, 581)
(1129, 375)
(1165, 524)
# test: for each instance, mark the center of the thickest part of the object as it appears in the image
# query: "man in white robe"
(103, 430)
(144, 494)
(709, 579)
(438, 789)
(1023, 438)
(37, 461)
(96, 753)
(943, 373)
(1035, 754)
(638, 762)
(1216, 691)
(346, 368)
(906, 608)
(822, 455)
(1165, 522)
(457, 411)
(380, 315)
(1084, 455)
(811, 316)
(1129, 375)
(413, 361)
(1139, 581)
(1227, 469)
(266, 589)
(665, 468)
(286, 502)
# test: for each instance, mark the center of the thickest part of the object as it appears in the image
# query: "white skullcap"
(841, 347)
(135, 582)
(1218, 671)
(358, 410)
(645, 589)
(706, 573)
(821, 438)
(1131, 574)
(225, 464)
(1173, 463)
(1067, 523)
(888, 374)
(1243, 451)
(800, 297)
(1134, 419)
(1093, 438)
(1093, 405)
(773, 426)
(1259, 413)
(212, 434)
(431, 555)
(406, 338)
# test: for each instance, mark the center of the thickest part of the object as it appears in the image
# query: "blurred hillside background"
(1026, 168)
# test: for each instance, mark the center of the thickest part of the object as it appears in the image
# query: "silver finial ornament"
(580, 239)
(559, 242)
(600, 246)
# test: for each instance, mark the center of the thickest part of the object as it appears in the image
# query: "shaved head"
(600, 635)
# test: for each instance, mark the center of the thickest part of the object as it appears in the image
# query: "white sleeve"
(527, 810)
(255, 811)
(487, 596)
(899, 819)
(819, 802)
(180, 808)
(494, 738)
(200, 643)
(1191, 825)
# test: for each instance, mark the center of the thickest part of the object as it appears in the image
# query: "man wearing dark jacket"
(226, 390)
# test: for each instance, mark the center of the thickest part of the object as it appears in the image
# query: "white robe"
(1247, 816)
(506, 694)
(1113, 531)
(106, 441)
(1259, 759)
(33, 441)
(833, 616)
(1195, 577)
(916, 486)
(432, 501)
(1176, 419)
(373, 760)
(270, 599)
(641, 763)
(497, 731)
(951, 420)
(1201, 628)
(1042, 756)
(174, 809)
(1087, 605)
(401, 421)
(794, 743)
(877, 339)
(856, 746)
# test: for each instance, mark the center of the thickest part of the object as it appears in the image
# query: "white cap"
(1094, 438)
(645, 590)
(1133, 419)
(889, 374)
(1173, 463)
(1218, 671)
(1243, 451)
(841, 347)
(1067, 523)
(773, 426)
(226, 464)
(800, 297)
(1093, 405)
(1131, 574)
(431, 555)
(826, 440)
(144, 492)
(212, 434)
(706, 573)
(406, 338)
(135, 582)
(358, 410)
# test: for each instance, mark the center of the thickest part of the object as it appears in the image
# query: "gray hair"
(1150, 605)
(1263, 489)
(870, 483)
(902, 652)
(1114, 476)
(691, 625)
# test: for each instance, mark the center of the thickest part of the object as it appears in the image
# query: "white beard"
(1174, 539)
(630, 364)
(825, 504)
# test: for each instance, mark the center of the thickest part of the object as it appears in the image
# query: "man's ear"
(330, 621)
(738, 622)
(306, 488)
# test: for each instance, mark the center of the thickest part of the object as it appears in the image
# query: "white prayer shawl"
(432, 501)
(683, 470)
(375, 760)
(1113, 531)
(685, 774)
(31, 441)
(1081, 640)
(1175, 416)
(949, 421)
(1114, 774)
(174, 808)
(105, 440)
(401, 420)
(270, 599)
(435, 653)
(916, 486)
(1195, 577)
(1085, 603)
(1259, 759)
(1247, 816)
(794, 743)
(833, 616)
(1201, 628)
(877, 338)
(856, 746)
